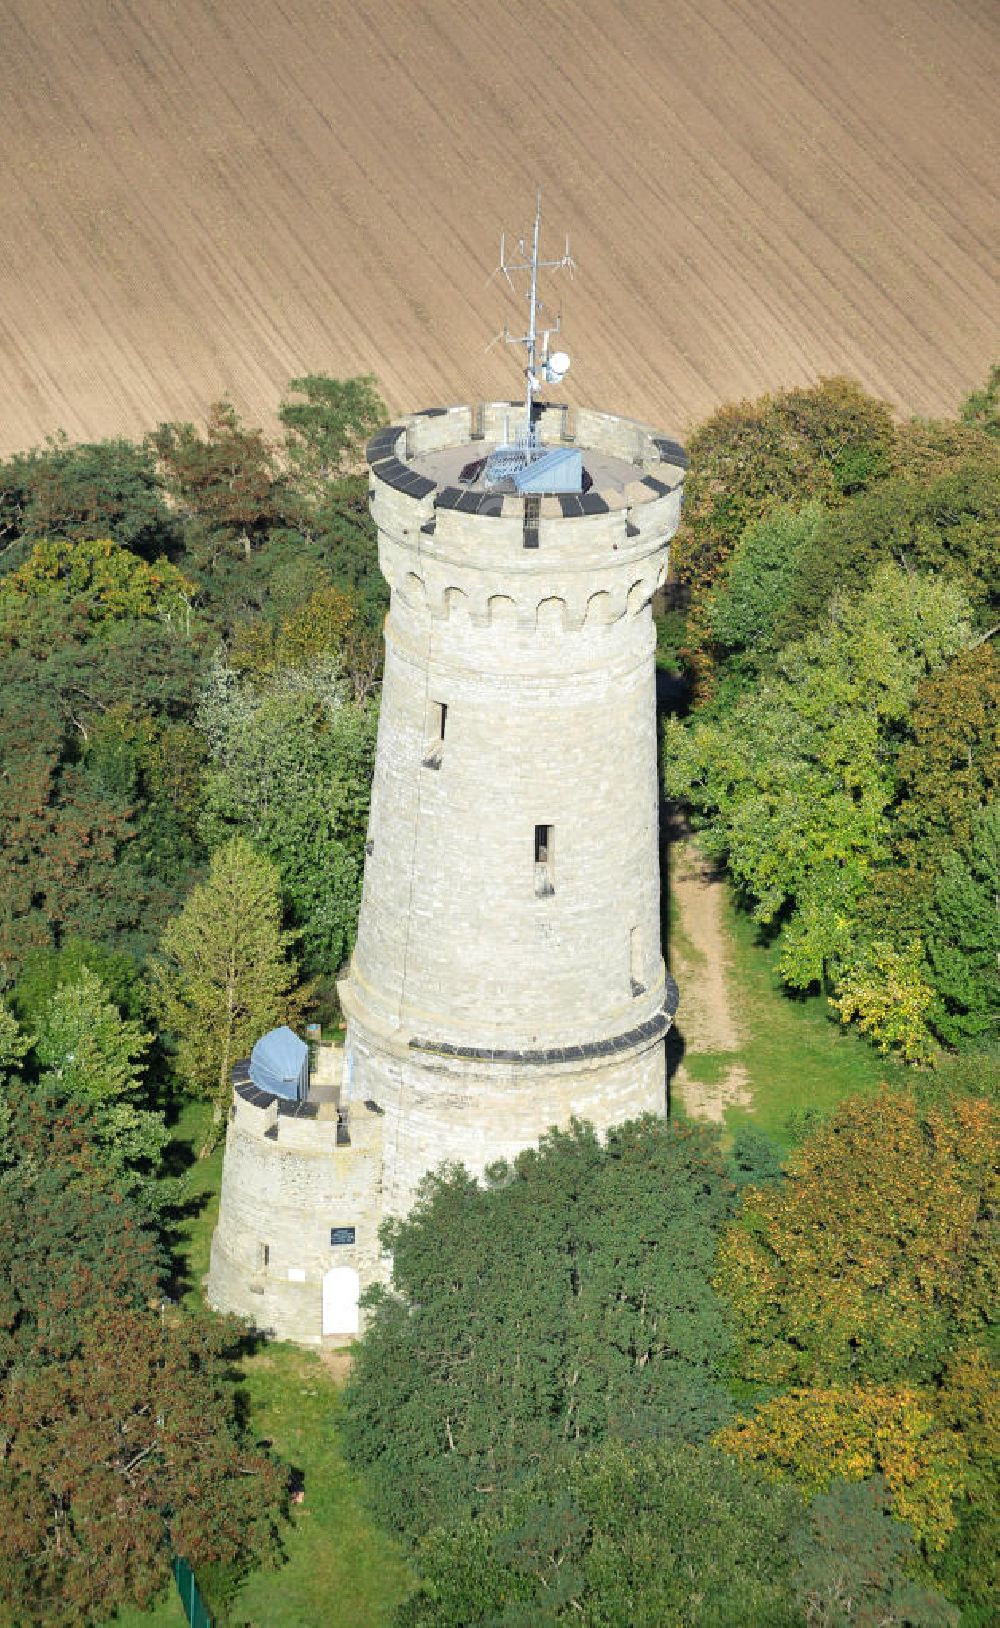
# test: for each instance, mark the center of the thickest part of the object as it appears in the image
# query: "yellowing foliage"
(814, 1436)
(319, 627)
(889, 998)
(114, 583)
(875, 1252)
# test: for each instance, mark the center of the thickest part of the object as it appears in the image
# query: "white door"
(341, 1288)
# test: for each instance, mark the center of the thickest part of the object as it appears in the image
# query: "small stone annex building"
(508, 972)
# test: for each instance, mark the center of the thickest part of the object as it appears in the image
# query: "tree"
(949, 764)
(46, 969)
(817, 1435)
(747, 608)
(982, 408)
(825, 443)
(227, 479)
(117, 1418)
(326, 630)
(116, 1449)
(947, 526)
(883, 987)
(86, 1047)
(566, 1300)
(328, 428)
(750, 457)
(102, 579)
(222, 977)
(969, 1403)
(639, 1534)
(855, 1564)
(87, 1052)
(88, 490)
(794, 783)
(963, 936)
(875, 1253)
(291, 770)
(14, 1047)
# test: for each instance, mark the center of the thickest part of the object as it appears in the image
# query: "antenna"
(555, 367)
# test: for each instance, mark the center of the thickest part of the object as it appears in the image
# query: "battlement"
(428, 492)
(300, 1208)
(451, 548)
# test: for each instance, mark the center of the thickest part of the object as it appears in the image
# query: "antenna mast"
(530, 340)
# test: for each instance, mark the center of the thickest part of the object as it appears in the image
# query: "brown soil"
(337, 1361)
(707, 1019)
(203, 199)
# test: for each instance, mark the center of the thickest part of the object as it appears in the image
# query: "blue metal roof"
(279, 1063)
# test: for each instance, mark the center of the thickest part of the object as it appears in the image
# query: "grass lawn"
(340, 1570)
(795, 1056)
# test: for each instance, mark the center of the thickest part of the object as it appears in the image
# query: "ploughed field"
(203, 199)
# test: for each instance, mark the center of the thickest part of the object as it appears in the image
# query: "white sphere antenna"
(556, 367)
(542, 368)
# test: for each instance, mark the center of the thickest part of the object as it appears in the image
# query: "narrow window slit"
(544, 856)
(532, 511)
(437, 719)
(636, 960)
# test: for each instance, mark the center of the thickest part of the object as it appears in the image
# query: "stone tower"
(508, 972)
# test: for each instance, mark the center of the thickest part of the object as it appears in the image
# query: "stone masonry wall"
(490, 997)
(286, 1183)
(497, 988)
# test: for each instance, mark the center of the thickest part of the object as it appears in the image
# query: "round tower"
(508, 974)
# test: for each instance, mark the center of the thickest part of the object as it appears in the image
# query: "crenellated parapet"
(450, 548)
(300, 1208)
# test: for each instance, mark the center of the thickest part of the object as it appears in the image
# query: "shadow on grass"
(676, 1048)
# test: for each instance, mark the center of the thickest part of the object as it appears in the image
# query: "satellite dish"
(556, 367)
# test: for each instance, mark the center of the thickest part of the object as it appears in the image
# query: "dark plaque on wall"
(341, 1235)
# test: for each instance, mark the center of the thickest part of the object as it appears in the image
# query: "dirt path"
(707, 1018)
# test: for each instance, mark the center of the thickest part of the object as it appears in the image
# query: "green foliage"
(329, 426)
(117, 1418)
(757, 1160)
(747, 609)
(565, 1300)
(947, 526)
(87, 1052)
(14, 1046)
(795, 781)
(89, 490)
(867, 1282)
(119, 1443)
(291, 770)
(969, 1568)
(46, 969)
(963, 936)
(222, 976)
(102, 581)
(982, 408)
(81, 858)
(855, 1565)
(643, 1535)
(882, 988)
(820, 1433)
(824, 443)
(85, 1047)
(949, 764)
